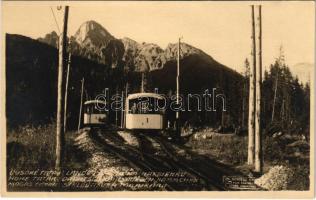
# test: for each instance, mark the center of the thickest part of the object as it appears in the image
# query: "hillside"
(31, 75)
(31, 80)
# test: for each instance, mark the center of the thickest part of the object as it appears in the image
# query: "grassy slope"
(232, 150)
(33, 147)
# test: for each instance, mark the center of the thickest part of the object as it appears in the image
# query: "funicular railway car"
(94, 113)
(142, 112)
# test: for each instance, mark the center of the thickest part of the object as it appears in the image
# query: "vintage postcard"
(170, 99)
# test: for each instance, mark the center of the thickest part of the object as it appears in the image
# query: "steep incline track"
(154, 153)
(182, 164)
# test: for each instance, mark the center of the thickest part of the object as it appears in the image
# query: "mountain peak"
(128, 39)
(185, 50)
(53, 33)
(91, 33)
(50, 39)
(130, 43)
(94, 42)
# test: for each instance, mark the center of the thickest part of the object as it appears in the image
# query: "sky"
(221, 29)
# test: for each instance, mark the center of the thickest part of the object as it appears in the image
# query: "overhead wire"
(55, 20)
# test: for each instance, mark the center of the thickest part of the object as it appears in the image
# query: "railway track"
(204, 179)
(169, 160)
(149, 159)
(131, 157)
(159, 164)
(126, 156)
(144, 148)
(143, 157)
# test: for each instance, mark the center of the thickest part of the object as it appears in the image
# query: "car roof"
(94, 102)
(145, 94)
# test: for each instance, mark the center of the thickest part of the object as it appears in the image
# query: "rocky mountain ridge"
(94, 42)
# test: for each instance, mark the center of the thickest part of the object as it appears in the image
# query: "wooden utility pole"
(178, 91)
(81, 103)
(126, 109)
(252, 95)
(258, 133)
(142, 84)
(66, 92)
(60, 103)
(244, 94)
(122, 110)
(116, 115)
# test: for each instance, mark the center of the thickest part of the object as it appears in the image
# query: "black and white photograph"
(158, 96)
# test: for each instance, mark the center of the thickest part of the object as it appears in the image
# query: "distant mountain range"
(94, 42)
(107, 62)
(31, 73)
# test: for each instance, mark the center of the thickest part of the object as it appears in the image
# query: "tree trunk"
(243, 105)
(252, 95)
(60, 99)
(258, 133)
(275, 95)
(66, 92)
